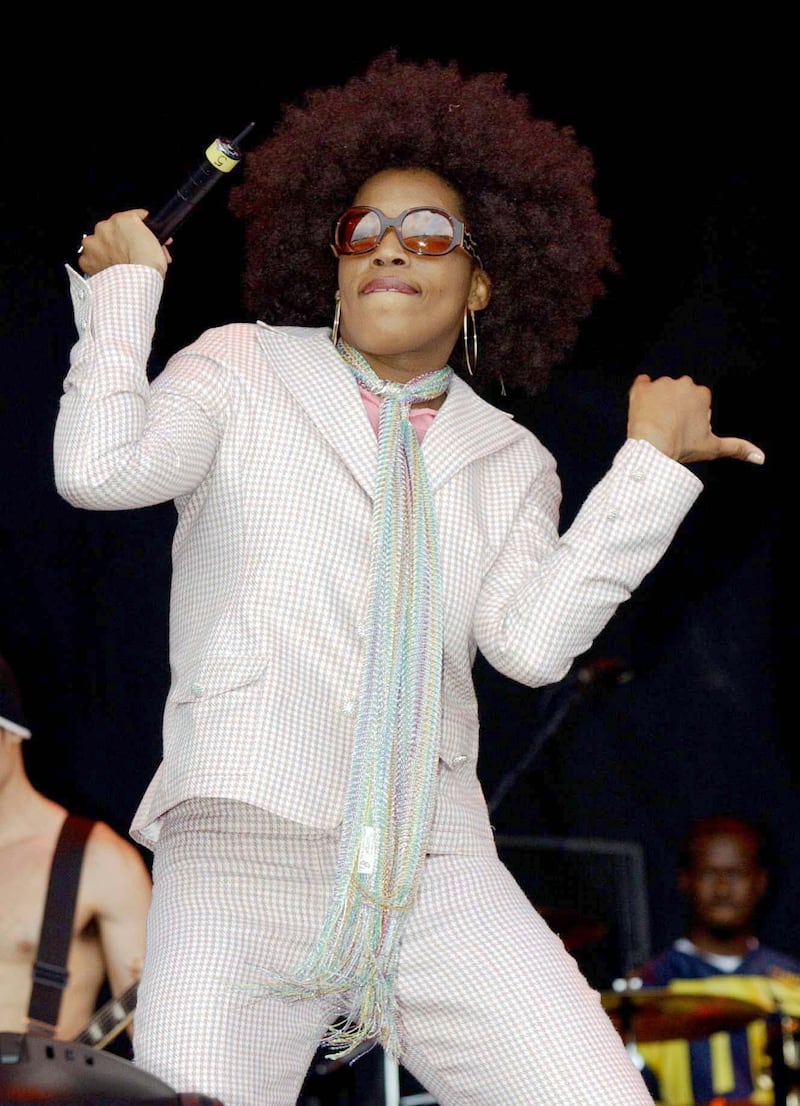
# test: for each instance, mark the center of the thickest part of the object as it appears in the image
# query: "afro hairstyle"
(526, 185)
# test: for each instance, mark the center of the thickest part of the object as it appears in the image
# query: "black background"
(693, 141)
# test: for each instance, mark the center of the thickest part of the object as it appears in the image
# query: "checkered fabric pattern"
(260, 436)
(494, 1011)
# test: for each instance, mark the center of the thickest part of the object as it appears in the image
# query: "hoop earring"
(336, 313)
(472, 362)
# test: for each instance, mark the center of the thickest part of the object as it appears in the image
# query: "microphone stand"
(579, 683)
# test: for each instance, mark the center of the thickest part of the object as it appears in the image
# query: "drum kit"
(648, 1014)
(643, 1015)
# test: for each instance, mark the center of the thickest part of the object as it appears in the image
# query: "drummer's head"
(723, 875)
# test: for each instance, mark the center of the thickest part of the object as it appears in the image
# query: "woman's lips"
(388, 284)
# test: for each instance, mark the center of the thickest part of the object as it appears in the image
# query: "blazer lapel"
(465, 429)
(322, 384)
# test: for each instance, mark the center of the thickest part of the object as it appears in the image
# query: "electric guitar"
(109, 1021)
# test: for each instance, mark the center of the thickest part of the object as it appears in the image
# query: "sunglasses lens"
(424, 230)
(428, 232)
(359, 231)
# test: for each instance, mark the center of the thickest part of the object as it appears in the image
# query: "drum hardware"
(645, 1014)
(784, 1052)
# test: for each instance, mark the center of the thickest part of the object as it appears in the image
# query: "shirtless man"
(113, 897)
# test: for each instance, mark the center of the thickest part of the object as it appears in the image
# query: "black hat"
(11, 716)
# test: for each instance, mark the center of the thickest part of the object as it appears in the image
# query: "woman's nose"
(389, 251)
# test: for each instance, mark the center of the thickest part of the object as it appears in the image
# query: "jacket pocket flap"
(216, 675)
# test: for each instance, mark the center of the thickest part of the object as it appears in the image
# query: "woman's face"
(405, 312)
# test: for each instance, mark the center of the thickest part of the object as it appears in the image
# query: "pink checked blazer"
(260, 437)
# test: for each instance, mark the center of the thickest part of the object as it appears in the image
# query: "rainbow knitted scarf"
(389, 804)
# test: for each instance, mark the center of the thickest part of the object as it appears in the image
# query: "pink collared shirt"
(419, 417)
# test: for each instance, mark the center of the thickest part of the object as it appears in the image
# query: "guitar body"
(40, 1069)
(73, 1073)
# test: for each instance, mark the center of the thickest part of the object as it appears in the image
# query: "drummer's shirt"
(735, 1064)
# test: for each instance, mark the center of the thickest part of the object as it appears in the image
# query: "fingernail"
(756, 457)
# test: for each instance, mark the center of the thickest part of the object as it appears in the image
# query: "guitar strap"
(50, 970)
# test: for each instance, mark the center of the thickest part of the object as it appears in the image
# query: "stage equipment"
(656, 1014)
(37, 1069)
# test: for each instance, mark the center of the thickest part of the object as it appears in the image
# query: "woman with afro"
(355, 520)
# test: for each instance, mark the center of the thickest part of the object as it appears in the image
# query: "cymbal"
(657, 1014)
(576, 930)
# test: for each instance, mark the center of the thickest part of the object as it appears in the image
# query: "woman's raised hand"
(675, 416)
(122, 239)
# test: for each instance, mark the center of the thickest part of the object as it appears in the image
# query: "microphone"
(222, 156)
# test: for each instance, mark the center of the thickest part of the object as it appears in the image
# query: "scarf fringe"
(348, 967)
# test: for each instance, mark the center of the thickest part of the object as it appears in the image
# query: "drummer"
(723, 877)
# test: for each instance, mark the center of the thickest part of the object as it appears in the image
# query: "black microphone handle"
(220, 158)
(166, 221)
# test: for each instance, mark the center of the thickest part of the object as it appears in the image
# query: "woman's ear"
(480, 290)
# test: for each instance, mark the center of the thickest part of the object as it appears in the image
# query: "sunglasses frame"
(461, 237)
